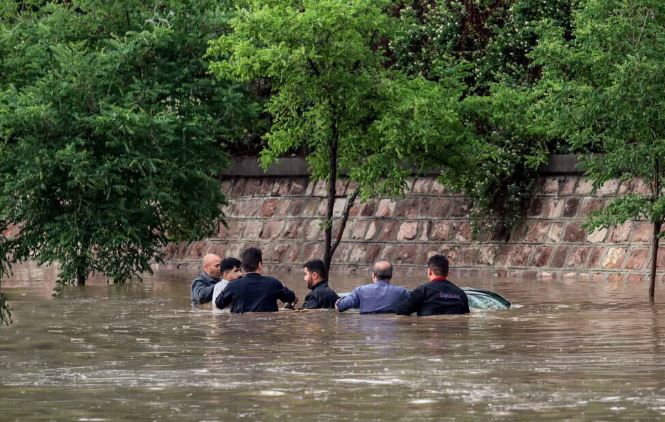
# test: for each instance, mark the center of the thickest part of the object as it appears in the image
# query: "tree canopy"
(335, 95)
(112, 132)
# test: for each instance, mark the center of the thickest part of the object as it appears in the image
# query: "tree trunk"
(345, 217)
(332, 192)
(654, 258)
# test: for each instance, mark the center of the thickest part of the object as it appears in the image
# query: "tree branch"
(345, 217)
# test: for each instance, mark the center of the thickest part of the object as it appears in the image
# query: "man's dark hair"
(229, 264)
(317, 266)
(438, 264)
(251, 258)
(383, 270)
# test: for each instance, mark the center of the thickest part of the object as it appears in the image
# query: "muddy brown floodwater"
(566, 350)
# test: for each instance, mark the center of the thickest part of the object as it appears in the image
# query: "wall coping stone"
(559, 164)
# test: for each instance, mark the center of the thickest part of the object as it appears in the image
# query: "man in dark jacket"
(437, 297)
(204, 284)
(316, 277)
(254, 292)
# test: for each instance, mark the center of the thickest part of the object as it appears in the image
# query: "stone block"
(584, 186)
(571, 206)
(356, 230)
(252, 187)
(282, 186)
(407, 208)
(535, 207)
(237, 187)
(614, 258)
(386, 208)
(636, 278)
(309, 207)
(227, 187)
(468, 255)
(660, 261)
(387, 231)
(567, 185)
(368, 208)
(553, 208)
(269, 207)
(422, 185)
(597, 236)
(537, 232)
(217, 248)
(272, 229)
(425, 230)
(589, 205)
(293, 229)
(559, 257)
(340, 187)
(464, 233)
(551, 185)
(312, 251)
(520, 255)
(503, 255)
(405, 254)
(541, 256)
(621, 233)
(460, 207)
(197, 250)
(298, 186)
(609, 188)
(233, 230)
(266, 187)
(578, 257)
(615, 278)
(357, 255)
(637, 259)
(641, 187)
(556, 233)
(320, 188)
(574, 233)
(338, 209)
(407, 231)
(595, 257)
(444, 230)
(313, 230)
(434, 207)
(643, 232)
(253, 229)
(373, 252)
(487, 254)
(372, 229)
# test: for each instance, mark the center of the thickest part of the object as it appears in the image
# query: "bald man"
(380, 297)
(204, 284)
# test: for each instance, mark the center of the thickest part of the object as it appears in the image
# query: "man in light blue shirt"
(380, 297)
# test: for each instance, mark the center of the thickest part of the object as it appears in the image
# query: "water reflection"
(579, 351)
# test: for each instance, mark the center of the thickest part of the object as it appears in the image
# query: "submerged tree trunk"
(332, 192)
(654, 257)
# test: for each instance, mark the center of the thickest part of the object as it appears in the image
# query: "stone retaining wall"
(282, 215)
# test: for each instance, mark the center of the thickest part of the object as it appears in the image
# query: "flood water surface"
(578, 350)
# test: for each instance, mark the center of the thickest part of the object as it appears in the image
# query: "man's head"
(437, 266)
(252, 260)
(382, 270)
(315, 272)
(230, 268)
(211, 265)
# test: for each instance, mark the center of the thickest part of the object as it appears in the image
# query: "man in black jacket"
(437, 297)
(254, 292)
(204, 284)
(316, 277)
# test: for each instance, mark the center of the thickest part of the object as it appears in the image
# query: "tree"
(334, 95)
(605, 91)
(111, 131)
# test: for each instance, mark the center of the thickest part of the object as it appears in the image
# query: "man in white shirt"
(231, 270)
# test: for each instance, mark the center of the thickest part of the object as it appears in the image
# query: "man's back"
(378, 298)
(254, 293)
(437, 297)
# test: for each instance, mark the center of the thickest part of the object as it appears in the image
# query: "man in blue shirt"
(254, 292)
(380, 297)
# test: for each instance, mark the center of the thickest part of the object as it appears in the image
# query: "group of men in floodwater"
(241, 285)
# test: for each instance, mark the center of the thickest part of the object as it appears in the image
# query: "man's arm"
(411, 303)
(286, 295)
(348, 302)
(201, 293)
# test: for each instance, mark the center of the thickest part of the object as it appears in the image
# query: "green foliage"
(332, 87)
(490, 41)
(110, 131)
(605, 91)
